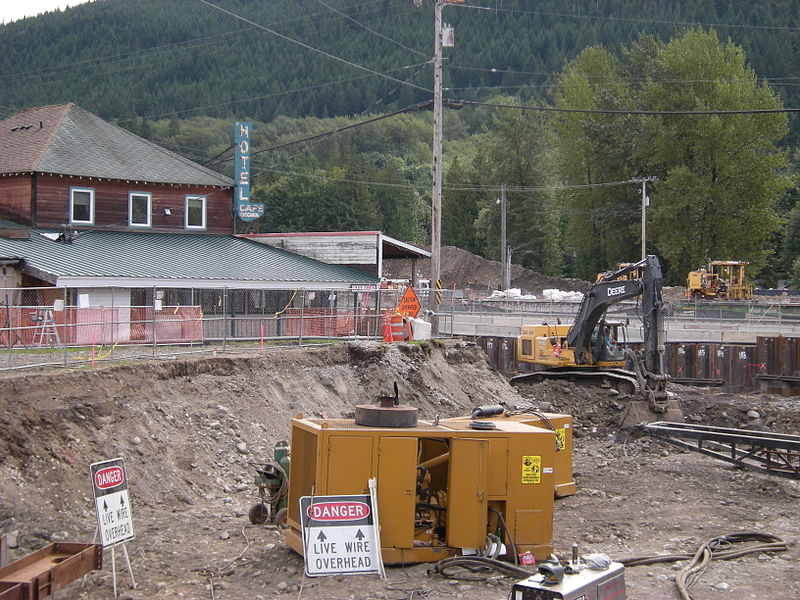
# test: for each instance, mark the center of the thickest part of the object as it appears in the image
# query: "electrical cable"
(716, 548)
(602, 111)
(378, 33)
(508, 533)
(413, 107)
(313, 49)
(495, 9)
(474, 565)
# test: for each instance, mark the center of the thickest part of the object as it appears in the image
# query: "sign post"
(339, 535)
(113, 507)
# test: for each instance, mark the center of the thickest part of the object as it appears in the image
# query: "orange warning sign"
(409, 305)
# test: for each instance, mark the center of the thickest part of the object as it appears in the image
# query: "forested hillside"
(180, 71)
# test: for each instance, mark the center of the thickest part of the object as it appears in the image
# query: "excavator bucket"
(638, 412)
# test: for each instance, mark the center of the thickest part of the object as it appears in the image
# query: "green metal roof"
(107, 258)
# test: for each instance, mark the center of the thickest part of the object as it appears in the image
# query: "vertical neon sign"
(246, 210)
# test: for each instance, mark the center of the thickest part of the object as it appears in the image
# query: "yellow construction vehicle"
(623, 266)
(595, 350)
(721, 279)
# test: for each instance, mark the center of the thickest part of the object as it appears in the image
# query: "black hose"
(717, 548)
(449, 567)
(508, 533)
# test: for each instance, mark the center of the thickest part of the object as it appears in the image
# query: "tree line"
(723, 187)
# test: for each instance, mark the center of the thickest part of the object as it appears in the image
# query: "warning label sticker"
(561, 439)
(531, 469)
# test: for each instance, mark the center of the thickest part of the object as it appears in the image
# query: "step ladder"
(46, 334)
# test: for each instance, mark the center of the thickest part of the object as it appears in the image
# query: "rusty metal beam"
(774, 453)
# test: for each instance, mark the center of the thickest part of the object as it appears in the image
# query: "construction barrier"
(771, 365)
(397, 328)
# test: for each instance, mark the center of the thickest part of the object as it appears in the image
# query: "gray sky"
(12, 10)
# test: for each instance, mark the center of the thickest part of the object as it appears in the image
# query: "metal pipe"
(435, 461)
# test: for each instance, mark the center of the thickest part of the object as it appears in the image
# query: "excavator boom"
(586, 346)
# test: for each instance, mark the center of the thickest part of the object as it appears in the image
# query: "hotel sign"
(246, 210)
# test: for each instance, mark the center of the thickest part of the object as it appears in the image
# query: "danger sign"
(113, 506)
(409, 305)
(339, 535)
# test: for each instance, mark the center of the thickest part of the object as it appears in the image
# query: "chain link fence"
(77, 327)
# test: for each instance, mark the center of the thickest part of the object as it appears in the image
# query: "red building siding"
(15, 199)
(51, 204)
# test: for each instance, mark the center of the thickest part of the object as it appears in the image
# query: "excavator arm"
(648, 363)
(596, 302)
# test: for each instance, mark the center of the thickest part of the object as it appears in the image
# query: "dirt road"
(188, 430)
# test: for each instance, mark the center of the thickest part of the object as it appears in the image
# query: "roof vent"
(67, 235)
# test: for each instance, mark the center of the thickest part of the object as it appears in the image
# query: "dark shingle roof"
(172, 259)
(64, 139)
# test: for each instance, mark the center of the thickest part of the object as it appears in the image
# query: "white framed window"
(194, 211)
(81, 206)
(140, 206)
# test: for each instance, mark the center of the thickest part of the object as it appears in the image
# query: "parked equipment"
(595, 350)
(576, 581)
(481, 484)
(272, 481)
(635, 273)
(720, 280)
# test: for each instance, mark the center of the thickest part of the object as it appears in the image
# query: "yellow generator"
(443, 488)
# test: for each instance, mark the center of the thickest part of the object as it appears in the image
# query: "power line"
(413, 107)
(459, 188)
(260, 97)
(379, 34)
(190, 45)
(604, 79)
(601, 111)
(628, 19)
(308, 47)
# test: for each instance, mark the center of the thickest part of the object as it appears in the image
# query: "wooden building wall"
(334, 248)
(15, 199)
(51, 204)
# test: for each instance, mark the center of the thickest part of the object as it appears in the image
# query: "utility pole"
(436, 195)
(505, 257)
(645, 204)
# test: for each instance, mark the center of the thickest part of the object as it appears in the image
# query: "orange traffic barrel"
(397, 328)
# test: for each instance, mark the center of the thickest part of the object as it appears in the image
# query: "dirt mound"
(466, 270)
(188, 430)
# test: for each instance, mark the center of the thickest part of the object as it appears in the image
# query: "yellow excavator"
(595, 350)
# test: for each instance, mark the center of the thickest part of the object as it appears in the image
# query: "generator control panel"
(585, 584)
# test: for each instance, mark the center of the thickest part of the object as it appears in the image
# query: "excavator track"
(620, 379)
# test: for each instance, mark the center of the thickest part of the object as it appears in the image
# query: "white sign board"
(339, 535)
(114, 517)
